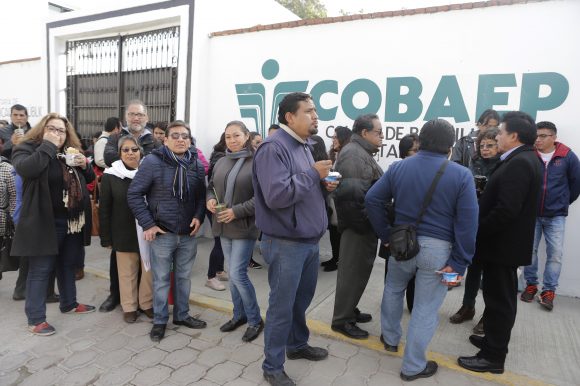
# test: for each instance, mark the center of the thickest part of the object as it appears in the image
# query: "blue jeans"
(40, 268)
(553, 230)
(237, 253)
(169, 250)
(429, 295)
(292, 275)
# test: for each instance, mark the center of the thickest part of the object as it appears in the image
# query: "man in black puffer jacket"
(167, 196)
(358, 243)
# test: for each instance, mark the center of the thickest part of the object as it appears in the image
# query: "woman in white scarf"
(118, 231)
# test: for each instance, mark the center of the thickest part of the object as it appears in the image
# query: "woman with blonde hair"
(55, 217)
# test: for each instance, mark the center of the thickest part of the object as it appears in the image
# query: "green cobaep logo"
(252, 96)
(404, 99)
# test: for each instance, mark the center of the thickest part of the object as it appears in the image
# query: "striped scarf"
(180, 181)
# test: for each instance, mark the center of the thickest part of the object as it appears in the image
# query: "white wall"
(520, 40)
(22, 84)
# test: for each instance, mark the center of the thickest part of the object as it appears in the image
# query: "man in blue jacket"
(446, 235)
(167, 196)
(560, 188)
(291, 213)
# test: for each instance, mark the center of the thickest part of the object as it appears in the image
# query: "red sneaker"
(42, 329)
(529, 293)
(546, 299)
(82, 309)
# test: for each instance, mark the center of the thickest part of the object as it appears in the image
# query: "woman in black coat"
(118, 231)
(54, 220)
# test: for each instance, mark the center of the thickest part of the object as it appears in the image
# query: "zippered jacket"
(560, 182)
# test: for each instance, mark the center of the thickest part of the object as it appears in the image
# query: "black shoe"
(18, 296)
(429, 371)
(191, 322)
(109, 304)
(388, 347)
(362, 317)
(53, 298)
(351, 330)
(279, 379)
(463, 314)
(330, 267)
(480, 365)
(231, 325)
(478, 329)
(310, 353)
(326, 263)
(157, 332)
(252, 332)
(476, 340)
(254, 264)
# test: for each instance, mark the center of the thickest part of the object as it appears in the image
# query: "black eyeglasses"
(544, 136)
(130, 149)
(177, 135)
(488, 146)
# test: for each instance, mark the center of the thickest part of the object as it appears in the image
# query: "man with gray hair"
(358, 243)
(137, 118)
(446, 227)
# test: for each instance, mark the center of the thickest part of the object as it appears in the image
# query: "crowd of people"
(453, 201)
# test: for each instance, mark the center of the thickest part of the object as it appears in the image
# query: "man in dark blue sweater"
(291, 213)
(446, 235)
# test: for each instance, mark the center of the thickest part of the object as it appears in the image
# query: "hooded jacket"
(560, 182)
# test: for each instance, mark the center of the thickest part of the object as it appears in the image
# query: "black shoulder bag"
(403, 240)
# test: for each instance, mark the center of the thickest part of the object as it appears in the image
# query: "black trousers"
(334, 242)
(472, 283)
(500, 293)
(216, 259)
(114, 275)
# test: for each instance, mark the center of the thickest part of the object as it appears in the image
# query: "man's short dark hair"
(406, 144)
(162, 125)
(547, 125)
(437, 135)
(19, 108)
(522, 124)
(112, 123)
(290, 104)
(364, 122)
(178, 124)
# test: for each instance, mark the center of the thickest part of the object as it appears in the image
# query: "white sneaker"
(215, 284)
(222, 276)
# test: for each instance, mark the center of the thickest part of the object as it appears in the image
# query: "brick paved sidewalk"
(101, 349)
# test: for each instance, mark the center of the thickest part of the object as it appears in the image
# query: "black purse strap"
(430, 192)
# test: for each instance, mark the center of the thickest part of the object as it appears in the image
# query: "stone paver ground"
(101, 349)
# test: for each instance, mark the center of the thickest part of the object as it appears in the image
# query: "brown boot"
(130, 317)
(464, 313)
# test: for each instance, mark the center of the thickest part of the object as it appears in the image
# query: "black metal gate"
(103, 75)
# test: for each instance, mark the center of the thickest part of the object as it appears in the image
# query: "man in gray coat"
(358, 243)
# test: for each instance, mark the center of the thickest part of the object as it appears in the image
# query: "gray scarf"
(240, 156)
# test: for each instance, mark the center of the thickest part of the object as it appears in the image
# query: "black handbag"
(7, 262)
(403, 243)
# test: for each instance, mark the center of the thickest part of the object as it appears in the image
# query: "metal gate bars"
(104, 74)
